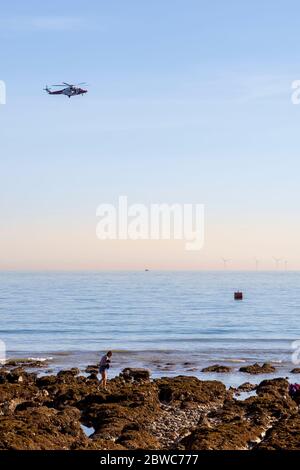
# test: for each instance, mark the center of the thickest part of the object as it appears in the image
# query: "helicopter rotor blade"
(75, 84)
(70, 85)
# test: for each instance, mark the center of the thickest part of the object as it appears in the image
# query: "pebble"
(174, 423)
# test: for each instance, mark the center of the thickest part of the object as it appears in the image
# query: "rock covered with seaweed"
(184, 413)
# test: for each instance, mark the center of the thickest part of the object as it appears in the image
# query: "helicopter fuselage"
(69, 91)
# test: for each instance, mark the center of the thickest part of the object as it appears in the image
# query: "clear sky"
(189, 101)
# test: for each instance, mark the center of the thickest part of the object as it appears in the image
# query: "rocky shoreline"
(40, 412)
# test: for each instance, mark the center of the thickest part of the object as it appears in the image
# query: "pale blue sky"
(189, 101)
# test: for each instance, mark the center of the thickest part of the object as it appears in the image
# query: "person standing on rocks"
(103, 368)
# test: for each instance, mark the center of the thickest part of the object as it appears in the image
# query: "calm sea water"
(172, 322)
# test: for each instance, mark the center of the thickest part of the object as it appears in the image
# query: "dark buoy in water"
(238, 295)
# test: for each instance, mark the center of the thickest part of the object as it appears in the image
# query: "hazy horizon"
(150, 270)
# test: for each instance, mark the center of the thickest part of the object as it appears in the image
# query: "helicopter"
(69, 90)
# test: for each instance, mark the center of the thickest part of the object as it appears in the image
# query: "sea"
(173, 323)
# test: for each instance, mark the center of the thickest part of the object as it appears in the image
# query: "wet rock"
(3, 375)
(296, 370)
(190, 389)
(228, 436)
(217, 368)
(272, 402)
(92, 369)
(285, 435)
(17, 391)
(26, 363)
(108, 419)
(246, 387)
(116, 422)
(9, 406)
(18, 375)
(227, 428)
(258, 369)
(46, 381)
(70, 394)
(135, 374)
(182, 413)
(243, 425)
(42, 428)
(53, 393)
(138, 439)
(123, 413)
(93, 377)
(67, 376)
(278, 388)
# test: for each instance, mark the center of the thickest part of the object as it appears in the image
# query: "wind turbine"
(256, 263)
(277, 261)
(225, 261)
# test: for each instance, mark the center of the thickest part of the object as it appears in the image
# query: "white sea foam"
(41, 359)
(236, 360)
